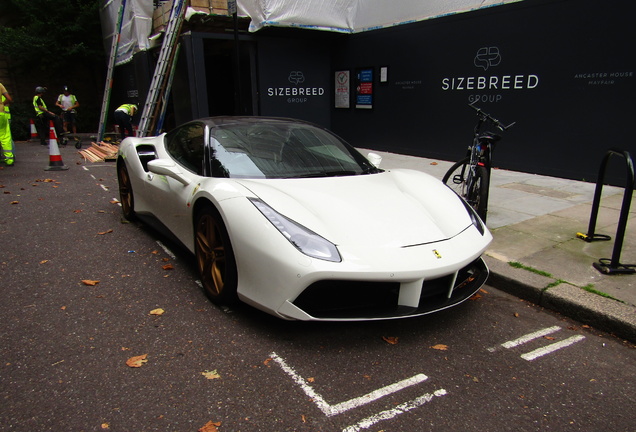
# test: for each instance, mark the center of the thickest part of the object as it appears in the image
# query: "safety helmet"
(39, 89)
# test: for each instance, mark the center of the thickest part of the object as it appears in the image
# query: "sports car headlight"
(306, 241)
(474, 217)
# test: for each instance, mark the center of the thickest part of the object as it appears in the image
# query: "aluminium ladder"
(109, 77)
(159, 85)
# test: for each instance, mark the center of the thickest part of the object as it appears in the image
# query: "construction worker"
(44, 116)
(123, 118)
(6, 140)
(68, 102)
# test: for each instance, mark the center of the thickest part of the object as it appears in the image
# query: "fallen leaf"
(210, 427)
(433, 163)
(44, 261)
(105, 426)
(311, 379)
(303, 418)
(15, 202)
(549, 337)
(90, 282)
(137, 361)
(157, 312)
(475, 297)
(114, 201)
(266, 362)
(167, 267)
(440, 347)
(483, 290)
(105, 232)
(516, 315)
(390, 339)
(211, 374)
(77, 211)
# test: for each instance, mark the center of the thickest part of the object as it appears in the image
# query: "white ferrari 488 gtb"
(289, 218)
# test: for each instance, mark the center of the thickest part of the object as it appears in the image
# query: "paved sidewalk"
(534, 221)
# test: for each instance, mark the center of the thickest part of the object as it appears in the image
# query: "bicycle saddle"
(489, 136)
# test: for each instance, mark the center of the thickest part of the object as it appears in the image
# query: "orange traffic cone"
(34, 131)
(55, 158)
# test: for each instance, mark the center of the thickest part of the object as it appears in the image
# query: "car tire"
(126, 196)
(215, 257)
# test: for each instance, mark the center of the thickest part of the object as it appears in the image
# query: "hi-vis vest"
(72, 98)
(38, 111)
(127, 108)
(7, 110)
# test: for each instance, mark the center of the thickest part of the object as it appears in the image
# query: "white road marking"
(530, 336)
(540, 351)
(527, 338)
(389, 414)
(552, 347)
(104, 187)
(331, 410)
(166, 250)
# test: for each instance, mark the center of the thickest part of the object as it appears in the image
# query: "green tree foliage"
(48, 35)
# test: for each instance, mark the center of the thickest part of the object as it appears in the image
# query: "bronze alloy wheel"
(125, 192)
(214, 256)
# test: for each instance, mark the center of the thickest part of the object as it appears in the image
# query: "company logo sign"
(487, 57)
(296, 77)
(491, 87)
(297, 93)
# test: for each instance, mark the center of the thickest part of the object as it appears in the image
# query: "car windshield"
(281, 149)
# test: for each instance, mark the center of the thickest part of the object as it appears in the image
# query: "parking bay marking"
(389, 414)
(331, 410)
(532, 355)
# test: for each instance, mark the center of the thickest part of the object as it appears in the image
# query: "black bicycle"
(470, 177)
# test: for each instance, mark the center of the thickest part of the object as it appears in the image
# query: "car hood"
(390, 209)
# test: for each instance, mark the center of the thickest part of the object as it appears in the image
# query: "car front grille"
(345, 299)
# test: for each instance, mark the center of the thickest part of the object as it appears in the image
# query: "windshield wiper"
(326, 174)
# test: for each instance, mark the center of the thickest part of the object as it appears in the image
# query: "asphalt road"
(79, 285)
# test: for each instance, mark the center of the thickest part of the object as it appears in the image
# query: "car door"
(171, 197)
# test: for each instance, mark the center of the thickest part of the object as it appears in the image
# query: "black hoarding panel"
(564, 71)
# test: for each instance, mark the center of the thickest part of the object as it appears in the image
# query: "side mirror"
(165, 168)
(375, 159)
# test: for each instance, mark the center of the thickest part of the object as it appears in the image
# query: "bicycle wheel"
(474, 189)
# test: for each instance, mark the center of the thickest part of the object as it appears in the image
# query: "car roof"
(246, 120)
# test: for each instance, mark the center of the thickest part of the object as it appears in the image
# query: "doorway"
(230, 92)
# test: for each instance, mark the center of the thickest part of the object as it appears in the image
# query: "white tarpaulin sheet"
(135, 29)
(352, 16)
(345, 16)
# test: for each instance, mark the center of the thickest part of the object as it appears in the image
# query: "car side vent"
(146, 154)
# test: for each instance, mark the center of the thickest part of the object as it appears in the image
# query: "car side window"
(185, 145)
